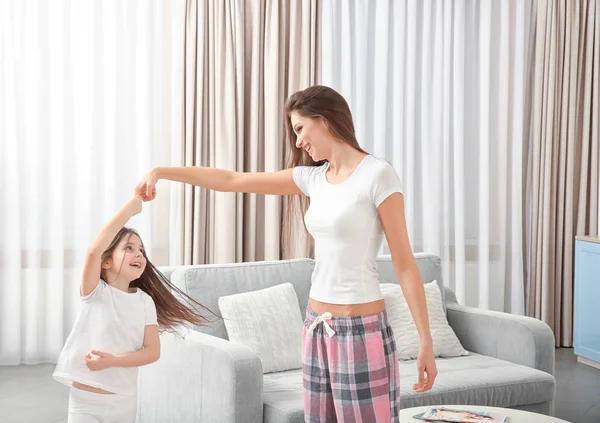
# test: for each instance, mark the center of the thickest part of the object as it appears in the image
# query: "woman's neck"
(344, 159)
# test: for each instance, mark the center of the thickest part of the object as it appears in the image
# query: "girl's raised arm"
(93, 258)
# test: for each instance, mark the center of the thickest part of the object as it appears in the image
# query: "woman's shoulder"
(377, 162)
(307, 172)
(376, 167)
(381, 180)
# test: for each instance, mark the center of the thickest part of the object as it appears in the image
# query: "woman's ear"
(106, 264)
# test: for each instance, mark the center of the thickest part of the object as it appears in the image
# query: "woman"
(350, 363)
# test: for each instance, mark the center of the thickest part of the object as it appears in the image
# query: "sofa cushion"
(283, 397)
(269, 322)
(445, 342)
(479, 380)
(473, 379)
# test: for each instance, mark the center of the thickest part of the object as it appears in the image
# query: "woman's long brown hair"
(316, 102)
(170, 311)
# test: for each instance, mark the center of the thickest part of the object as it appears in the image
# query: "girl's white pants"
(90, 407)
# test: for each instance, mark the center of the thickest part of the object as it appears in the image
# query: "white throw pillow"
(445, 342)
(269, 322)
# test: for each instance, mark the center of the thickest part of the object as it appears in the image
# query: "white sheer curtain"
(91, 96)
(436, 88)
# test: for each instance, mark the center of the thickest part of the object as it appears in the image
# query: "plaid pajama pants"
(350, 369)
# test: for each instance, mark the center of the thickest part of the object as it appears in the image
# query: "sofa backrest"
(430, 268)
(206, 283)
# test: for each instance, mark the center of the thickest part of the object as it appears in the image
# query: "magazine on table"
(459, 415)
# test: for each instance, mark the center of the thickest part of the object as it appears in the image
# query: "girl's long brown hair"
(170, 311)
(316, 102)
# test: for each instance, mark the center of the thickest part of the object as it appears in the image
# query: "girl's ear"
(106, 264)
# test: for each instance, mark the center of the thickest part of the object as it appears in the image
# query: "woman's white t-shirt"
(344, 222)
(112, 321)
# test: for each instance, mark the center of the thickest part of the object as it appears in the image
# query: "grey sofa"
(203, 377)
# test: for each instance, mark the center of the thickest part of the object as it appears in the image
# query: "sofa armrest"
(518, 339)
(201, 378)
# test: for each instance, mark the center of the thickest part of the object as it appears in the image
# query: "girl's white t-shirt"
(112, 321)
(344, 222)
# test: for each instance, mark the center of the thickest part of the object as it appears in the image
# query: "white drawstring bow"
(323, 318)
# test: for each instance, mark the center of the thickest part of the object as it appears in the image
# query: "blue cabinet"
(587, 300)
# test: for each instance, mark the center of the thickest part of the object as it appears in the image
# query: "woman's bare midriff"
(91, 388)
(347, 310)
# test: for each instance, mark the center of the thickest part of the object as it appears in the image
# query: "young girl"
(125, 298)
